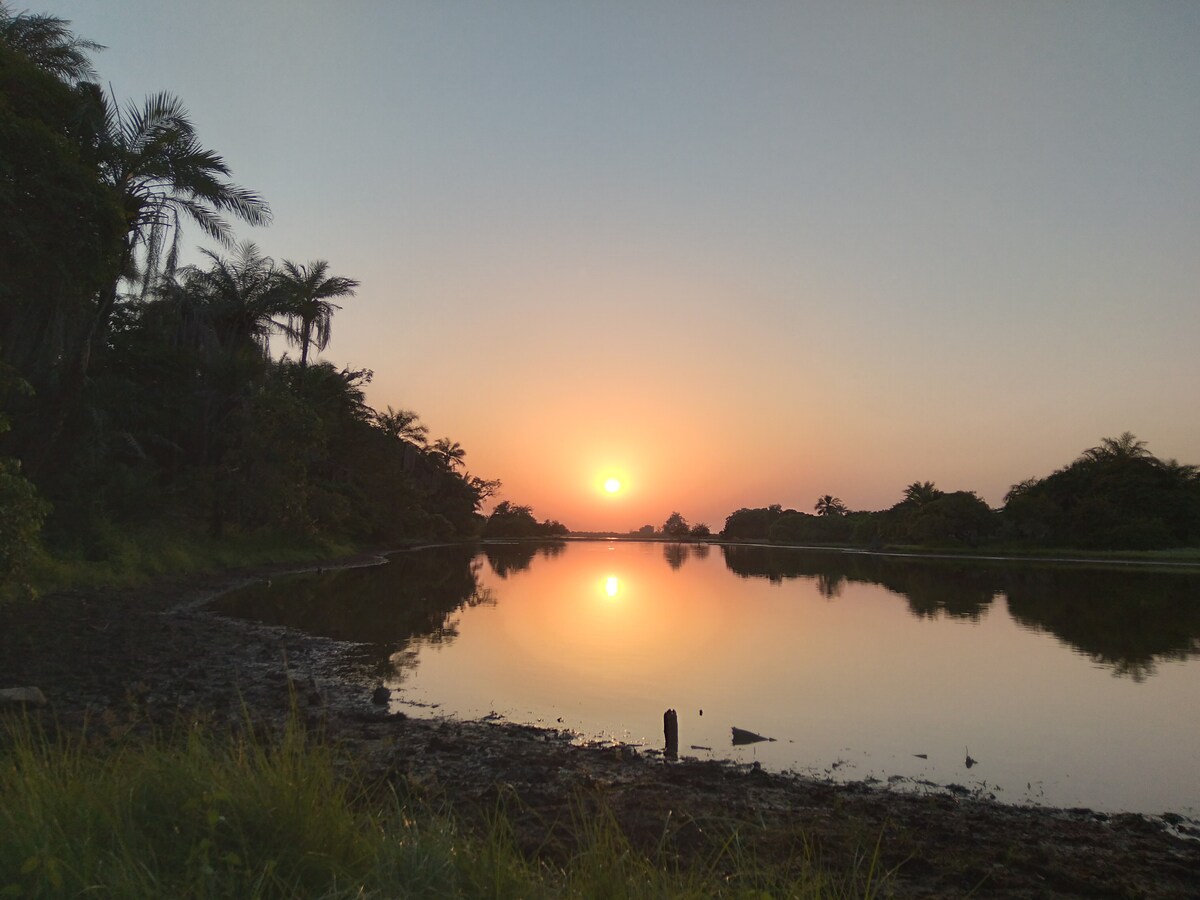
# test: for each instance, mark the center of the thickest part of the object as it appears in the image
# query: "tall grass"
(197, 816)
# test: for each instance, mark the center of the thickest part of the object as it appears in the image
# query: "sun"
(612, 485)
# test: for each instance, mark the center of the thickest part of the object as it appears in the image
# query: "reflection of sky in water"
(852, 680)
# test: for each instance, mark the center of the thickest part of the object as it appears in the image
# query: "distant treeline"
(139, 394)
(1115, 496)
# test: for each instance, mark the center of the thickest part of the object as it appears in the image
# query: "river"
(1058, 684)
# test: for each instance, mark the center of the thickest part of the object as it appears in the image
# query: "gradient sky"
(735, 253)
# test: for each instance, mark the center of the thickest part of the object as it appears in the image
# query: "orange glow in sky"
(731, 256)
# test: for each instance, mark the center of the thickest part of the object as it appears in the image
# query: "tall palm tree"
(830, 505)
(306, 292)
(162, 175)
(47, 42)
(449, 453)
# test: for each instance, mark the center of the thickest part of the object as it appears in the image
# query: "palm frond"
(49, 44)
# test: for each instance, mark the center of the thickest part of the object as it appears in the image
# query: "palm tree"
(449, 453)
(830, 505)
(921, 492)
(46, 42)
(1127, 446)
(154, 161)
(307, 291)
(404, 425)
(239, 296)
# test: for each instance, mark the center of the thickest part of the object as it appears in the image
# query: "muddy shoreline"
(133, 661)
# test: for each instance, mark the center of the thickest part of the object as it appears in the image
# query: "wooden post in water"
(671, 732)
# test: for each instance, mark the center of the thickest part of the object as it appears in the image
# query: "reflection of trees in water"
(700, 551)
(1124, 619)
(506, 558)
(830, 585)
(960, 590)
(1127, 620)
(381, 607)
(931, 587)
(676, 555)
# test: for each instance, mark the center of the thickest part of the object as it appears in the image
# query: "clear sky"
(734, 253)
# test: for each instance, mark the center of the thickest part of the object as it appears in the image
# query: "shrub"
(22, 512)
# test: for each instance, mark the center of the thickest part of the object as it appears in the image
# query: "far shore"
(1184, 556)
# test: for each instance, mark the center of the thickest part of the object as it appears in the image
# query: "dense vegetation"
(1116, 496)
(509, 520)
(139, 395)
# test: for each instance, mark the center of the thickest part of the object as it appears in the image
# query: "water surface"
(1066, 685)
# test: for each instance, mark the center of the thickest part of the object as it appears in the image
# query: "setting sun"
(612, 485)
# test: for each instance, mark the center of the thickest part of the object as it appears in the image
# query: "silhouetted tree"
(162, 174)
(1114, 496)
(48, 43)
(449, 453)
(239, 297)
(960, 518)
(830, 505)
(675, 526)
(1127, 446)
(921, 492)
(752, 524)
(484, 488)
(510, 520)
(61, 226)
(404, 425)
(306, 294)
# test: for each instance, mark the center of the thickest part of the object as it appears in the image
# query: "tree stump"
(671, 732)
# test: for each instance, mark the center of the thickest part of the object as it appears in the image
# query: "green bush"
(800, 528)
(22, 512)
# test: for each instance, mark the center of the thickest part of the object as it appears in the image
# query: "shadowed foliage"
(153, 401)
(48, 43)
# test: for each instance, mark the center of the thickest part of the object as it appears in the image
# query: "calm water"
(1069, 686)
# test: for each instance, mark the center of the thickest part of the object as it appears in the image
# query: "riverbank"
(129, 662)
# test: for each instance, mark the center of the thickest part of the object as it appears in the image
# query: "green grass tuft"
(197, 816)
